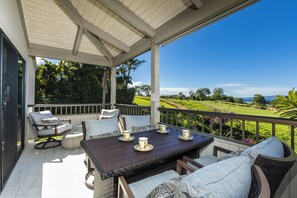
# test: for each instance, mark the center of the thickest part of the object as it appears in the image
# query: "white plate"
(181, 137)
(162, 131)
(123, 140)
(149, 147)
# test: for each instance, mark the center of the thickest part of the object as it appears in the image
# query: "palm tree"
(287, 106)
(133, 64)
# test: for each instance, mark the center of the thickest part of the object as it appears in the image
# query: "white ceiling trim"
(63, 54)
(77, 40)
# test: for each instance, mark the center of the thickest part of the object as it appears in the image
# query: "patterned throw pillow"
(53, 120)
(142, 128)
(166, 189)
(229, 155)
(104, 135)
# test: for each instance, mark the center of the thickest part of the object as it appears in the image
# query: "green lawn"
(145, 101)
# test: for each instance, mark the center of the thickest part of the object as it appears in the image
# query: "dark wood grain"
(112, 157)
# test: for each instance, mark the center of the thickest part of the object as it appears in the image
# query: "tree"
(146, 89)
(181, 96)
(124, 70)
(202, 94)
(287, 105)
(238, 100)
(217, 93)
(192, 95)
(259, 101)
(229, 98)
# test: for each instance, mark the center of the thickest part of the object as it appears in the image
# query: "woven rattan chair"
(275, 169)
(259, 187)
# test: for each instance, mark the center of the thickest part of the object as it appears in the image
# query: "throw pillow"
(229, 155)
(53, 120)
(104, 135)
(166, 189)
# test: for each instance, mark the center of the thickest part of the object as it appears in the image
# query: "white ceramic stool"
(72, 140)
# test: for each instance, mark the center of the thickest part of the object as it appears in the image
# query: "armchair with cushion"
(93, 129)
(235, 177)
(274, 157)
(47, 126)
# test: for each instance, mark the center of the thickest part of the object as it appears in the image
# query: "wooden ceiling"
(110, 32)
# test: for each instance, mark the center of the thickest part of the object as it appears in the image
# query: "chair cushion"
(37, 117)
(229, 155)
(104, 135)
(98, 127)
(51, 130)
(135, 129)
(136, 121)
(271, 147)
(53, 120)
(205, 160)
(110, 112)
(143, 187)
(227, 178)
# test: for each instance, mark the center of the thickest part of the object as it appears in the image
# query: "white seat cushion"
(136, 121)
(228, 178)
(37, 117)
(51, 130)
(271, 147)
(143, 187)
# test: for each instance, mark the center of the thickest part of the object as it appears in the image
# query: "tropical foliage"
(287, 106)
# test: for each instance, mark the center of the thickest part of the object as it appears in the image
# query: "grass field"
(282, 131)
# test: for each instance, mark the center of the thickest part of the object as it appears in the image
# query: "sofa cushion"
(37, 117)
(143, 187)
(271, 147)
(51, 130)
(136, 121)
(227, 178)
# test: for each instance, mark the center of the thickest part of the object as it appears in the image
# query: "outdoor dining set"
(126, 156)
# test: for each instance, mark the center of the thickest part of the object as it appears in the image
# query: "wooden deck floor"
(48, 173)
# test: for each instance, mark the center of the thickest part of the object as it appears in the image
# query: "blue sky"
(253, 51)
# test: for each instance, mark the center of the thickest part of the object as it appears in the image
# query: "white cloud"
(175, 91)
(251, 91)
(231, 85)
(39, 61)
(134, 84)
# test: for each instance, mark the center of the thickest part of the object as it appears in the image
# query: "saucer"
(149, 147)
(123, 140)
(181, 137)
(162, 132)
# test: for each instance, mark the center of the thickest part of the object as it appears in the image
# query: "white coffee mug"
(126, 135)
(142, 142)
(162, 127)
(186, 134)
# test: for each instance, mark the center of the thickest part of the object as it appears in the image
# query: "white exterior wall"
(11, 24)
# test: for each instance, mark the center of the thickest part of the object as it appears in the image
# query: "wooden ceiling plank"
(197, 3)
(129, 16)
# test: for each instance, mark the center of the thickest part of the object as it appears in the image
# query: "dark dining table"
(113, 158)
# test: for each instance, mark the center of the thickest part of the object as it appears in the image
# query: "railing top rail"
(68, 105)
(133, 106)
(285, 121)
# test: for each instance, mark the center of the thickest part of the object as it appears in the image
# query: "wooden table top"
(112, 157)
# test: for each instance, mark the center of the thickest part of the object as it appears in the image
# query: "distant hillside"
(267, 98)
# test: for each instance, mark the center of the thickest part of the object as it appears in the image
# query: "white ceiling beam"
(182, 25)
(99, 45)
(197, 3)
(125, 13)
(77, 41)
(74, 15)
(62, 54)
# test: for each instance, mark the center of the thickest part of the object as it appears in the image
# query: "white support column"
(113, 84)
(155, 83)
